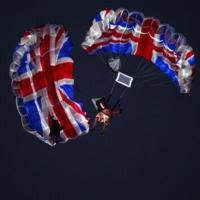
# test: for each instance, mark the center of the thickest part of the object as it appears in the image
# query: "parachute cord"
(111, 91)
(150, 81)
(143, 68)
(123, 91)
(124, 60)
(167, 83)
(120, 97)
(139, 65)
(146, 75)
(121, 62)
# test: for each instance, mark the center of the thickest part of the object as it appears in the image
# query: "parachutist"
(105, 113)
(55, 131)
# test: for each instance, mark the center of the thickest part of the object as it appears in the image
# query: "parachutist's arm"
(94, 123)
(101, 104)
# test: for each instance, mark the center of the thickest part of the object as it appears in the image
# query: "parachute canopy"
(123, 32)
(42, 74)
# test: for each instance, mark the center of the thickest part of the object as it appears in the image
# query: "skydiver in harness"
(105, 111)
(55, 130)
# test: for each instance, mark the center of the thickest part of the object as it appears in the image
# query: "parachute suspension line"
(126, 88)
(146, 75)
(149, 81)
(147, 72)
(124, 60)
(167, 83)
(120, 97)
(111, 91)
(140, 68)
(143, 68)
(146, 81)
(124, 80)
(139, 65)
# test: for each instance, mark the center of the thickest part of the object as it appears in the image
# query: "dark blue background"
(151, 152)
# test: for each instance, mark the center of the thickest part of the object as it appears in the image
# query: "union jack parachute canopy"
(131, 33)
(42, 74)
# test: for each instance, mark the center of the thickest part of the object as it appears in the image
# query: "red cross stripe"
(40, 80)
(149, 27)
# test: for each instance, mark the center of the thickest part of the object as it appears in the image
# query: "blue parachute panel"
(33, 117)
(66, 49)
(166, 69)
(69, 91)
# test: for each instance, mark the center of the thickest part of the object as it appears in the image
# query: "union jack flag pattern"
(43, 82)
(123, 32)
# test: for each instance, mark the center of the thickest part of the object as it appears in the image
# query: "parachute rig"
(115, 34)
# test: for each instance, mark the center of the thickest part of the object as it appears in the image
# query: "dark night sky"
(150, 152)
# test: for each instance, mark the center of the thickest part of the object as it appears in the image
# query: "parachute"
(122, 32)
(43, 82)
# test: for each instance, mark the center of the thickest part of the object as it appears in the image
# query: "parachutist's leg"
(108, 98)
(111, 92)
(55, 131)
